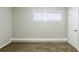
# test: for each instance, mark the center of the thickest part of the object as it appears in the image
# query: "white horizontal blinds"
(37, 16)
(54, 16)
(46, 16)
(51, 16)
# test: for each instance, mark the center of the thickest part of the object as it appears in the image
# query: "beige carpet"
(38, 47)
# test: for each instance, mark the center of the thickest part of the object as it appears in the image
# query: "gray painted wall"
(23, 27)
(5, 25)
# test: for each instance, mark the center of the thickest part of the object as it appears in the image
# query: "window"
(47, 17)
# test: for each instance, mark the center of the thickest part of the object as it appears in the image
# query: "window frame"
(62, 20)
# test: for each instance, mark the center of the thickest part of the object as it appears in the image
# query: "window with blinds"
(47, 17)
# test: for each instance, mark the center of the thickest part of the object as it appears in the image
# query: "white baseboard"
(35, 40)
(5, 44)
(38, 40)
(74, 46)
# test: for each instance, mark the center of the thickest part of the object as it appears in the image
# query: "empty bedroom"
(39, 29)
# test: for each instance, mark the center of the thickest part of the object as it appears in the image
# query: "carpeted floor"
(38, 47)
